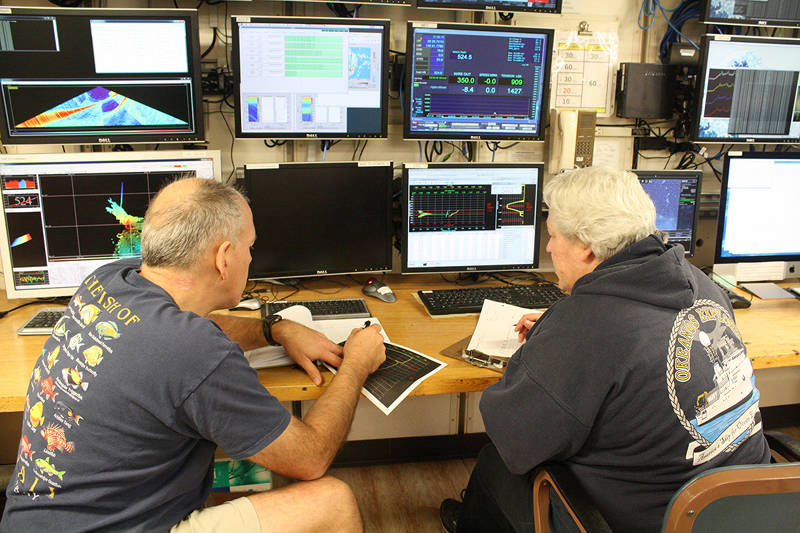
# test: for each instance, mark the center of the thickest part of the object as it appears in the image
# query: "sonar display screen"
(477, 82)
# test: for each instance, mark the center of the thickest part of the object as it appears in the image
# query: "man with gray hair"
(140, 383)
(635, 382)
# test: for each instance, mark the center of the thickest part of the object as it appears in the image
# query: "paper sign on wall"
(583, 70)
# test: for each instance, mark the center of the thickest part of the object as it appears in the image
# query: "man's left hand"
(304, 346)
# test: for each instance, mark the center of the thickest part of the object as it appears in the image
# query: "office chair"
(742, 498)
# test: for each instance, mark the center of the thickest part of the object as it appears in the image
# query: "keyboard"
(470, 300)
(42, 322)
(326, 309)
(737, 301)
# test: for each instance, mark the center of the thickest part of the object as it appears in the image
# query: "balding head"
(186, 218)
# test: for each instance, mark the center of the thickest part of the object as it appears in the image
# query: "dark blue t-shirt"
(126, 405)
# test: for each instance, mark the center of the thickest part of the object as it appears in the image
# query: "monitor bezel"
(416, 136)
(701, 81)
(721, 218)
(239, 134)
(706, 18)
(91, 157)
(674, 175)
(388, 168)
(405, 269)
(487, 5)
(193, 49)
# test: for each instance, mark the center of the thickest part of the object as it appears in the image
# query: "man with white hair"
(635, 382)
(140, 383)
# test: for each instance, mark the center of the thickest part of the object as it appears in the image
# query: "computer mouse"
(379, 290)
(250, 304)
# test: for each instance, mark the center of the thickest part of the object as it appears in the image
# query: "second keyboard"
(470, 300)
(326, 309)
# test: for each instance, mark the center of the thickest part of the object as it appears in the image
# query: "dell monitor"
(471, 217)
(530, 6)
(785, 13)
(64, 215)
(676, 195)
(298, 78)
(757, 213)
(476, 82)
(316, 219)
(89, 76)
(748, 90)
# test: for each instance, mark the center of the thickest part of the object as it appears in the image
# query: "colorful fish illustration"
(76, 342)
(60, 329)
(73, 377)
(78, 301)
(25, 449)
(67, 412)
(49, 389)
(57, 439)
(53, 357)
(89, 313)
(49, 469)
(107, 330)
(37, 375)
(93, 355)
(36, 414)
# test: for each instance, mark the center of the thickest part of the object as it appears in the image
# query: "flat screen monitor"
(89, 76)
(748, 90)
(316, 219)
(319, 78)
(784, 13)
(476, 82)
(471, 217)
(64, 215)
(758, 208)
(534, 6)
(676, 195)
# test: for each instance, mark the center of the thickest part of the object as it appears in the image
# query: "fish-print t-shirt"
(125, 408)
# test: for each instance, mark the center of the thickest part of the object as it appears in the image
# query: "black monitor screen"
(467, 81)
(758, 208)
(311, 78)
(537, 6)
(676, 195)
(315, 219)
(748, 90)
(470, 217)
(752, 12)
(83, 76)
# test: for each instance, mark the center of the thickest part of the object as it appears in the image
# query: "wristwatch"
(267, 322)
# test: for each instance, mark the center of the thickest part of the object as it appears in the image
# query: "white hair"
(175, 235)
(603, 207)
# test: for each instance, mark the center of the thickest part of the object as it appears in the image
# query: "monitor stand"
(746, 274)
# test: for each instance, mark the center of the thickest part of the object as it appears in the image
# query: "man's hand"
(364, 350)
(304, 346)
(525, 324)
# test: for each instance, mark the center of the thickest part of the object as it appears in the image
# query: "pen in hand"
(367, 324)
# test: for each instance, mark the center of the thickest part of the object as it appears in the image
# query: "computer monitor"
(318, 78)
(476, 82)
(471, 217)
(748, 90)
(89, 76)
(758, 211)
(784, 13)
(317, 219)
(534, 6)
(64, 215)
(676, 195)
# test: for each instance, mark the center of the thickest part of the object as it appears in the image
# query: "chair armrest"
(784, 445)
(586, 516)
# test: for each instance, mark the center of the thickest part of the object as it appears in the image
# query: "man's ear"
(221, 259)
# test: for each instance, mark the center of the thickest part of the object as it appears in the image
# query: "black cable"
(211, 46)
(273, 143)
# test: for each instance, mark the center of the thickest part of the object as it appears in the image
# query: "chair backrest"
(763, 498)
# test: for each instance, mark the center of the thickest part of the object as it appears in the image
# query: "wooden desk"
(771, 330)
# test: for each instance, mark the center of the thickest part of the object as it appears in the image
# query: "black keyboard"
(737, 301)
(42, 322)
(470, 300)
(326, 309)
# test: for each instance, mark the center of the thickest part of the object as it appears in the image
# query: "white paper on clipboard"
(584, 67)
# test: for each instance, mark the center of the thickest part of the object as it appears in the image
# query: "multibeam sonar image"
(129, 240)
(100, 107)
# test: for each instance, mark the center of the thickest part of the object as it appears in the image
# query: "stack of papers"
(494, 340)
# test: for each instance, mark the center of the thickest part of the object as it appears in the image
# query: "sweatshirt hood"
(647, 271)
